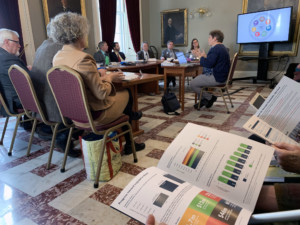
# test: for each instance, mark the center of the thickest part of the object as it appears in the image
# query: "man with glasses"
(9, 51)
(145, 53)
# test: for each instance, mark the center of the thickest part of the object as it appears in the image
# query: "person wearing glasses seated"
(145, 53)
(195, 47)
(101, 93)
(9, 52)
(116, 55)
(169, 53)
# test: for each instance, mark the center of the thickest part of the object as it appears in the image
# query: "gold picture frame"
(284, 48)
(54, 7)
(174, 27)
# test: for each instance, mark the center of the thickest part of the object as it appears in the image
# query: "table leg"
(157, 86)
(179, 89)
(182, 77)
(165, 80)
(135, 123)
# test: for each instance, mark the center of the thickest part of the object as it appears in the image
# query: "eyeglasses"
(14, 41)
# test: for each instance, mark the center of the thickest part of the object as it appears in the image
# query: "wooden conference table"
(137, 66)
(133, 85)
(189, 70)
(151, 67)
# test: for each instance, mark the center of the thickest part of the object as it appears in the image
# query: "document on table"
(130, 76)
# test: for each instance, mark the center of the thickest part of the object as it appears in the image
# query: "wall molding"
(27, 31)
(96, 23)
(250, 74)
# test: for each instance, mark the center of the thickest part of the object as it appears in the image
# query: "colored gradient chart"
(192, 158)
(235, 164)
(208, 209)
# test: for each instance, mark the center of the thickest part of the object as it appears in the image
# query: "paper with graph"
(205, 176)
(278, 119)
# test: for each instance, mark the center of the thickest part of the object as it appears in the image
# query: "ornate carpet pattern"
(30, 194)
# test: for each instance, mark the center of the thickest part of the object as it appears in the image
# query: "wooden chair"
(18, 117)
(223, 87)
(27, 95)
(70, 94)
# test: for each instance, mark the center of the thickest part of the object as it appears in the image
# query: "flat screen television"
(264, 26)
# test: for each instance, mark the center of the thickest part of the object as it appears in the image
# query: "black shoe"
(137, 115)
(72, 153)
(138, 147)
(77, 133)
(174, 83)
(27, 125)
(211, 101)
(43, 135)
(202, 103)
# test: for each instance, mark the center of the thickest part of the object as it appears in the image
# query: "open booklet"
(205, 176)
(278, 118)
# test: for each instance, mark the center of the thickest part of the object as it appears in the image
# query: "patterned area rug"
(30, 194)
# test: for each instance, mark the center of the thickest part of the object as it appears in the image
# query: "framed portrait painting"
(54, 7)
(276, 48)
(174, 27)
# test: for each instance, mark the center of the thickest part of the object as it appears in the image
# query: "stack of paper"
(130, 76)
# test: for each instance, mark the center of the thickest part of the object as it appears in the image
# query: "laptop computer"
(181, 59)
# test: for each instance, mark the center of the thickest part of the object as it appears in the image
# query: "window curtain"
(133, 14)
(108, 11)
(10, 19)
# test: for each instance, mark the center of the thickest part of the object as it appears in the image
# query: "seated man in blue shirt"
(216, 67)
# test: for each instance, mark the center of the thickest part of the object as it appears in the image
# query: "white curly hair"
(67, 28)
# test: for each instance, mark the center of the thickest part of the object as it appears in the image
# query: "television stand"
(263, 62)
(263, 59)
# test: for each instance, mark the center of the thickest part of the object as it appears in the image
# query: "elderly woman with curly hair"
(71, 30)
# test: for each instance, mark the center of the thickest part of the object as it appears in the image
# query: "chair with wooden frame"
(18, 116)
(69, 92)
(27, 95)
(223, 87)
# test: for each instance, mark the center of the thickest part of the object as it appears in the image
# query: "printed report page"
(224, 164)
(174, 201)
(278, 119)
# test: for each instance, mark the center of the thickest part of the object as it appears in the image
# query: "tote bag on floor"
(112, 160)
